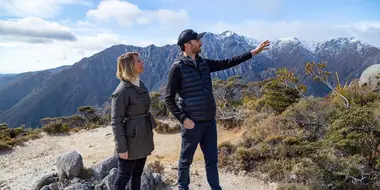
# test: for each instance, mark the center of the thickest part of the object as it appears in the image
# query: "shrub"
(165, 128)
(357, 131)
(158, 107)
(56, 128)
(358, 95)
(156, 167)
(89, 113)
(313, 115)
(277, 97)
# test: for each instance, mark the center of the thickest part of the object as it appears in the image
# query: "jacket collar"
(188, 60)
(142, 89)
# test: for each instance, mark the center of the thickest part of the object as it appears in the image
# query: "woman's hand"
(123, 155)
(261, 47)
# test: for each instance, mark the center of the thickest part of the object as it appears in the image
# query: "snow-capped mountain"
(91, 80)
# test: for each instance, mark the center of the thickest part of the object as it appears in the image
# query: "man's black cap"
(188, 35)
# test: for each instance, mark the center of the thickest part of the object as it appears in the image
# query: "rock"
(147, 180)
(150, 180)
(61, 175)
(46, 187)
(54, 186)
(109, 179)
(76, 180)
(79, 186)
(102, 169)
(370, 76)
(99, 186)
(71, 163)
(158, 180)
(45, 180)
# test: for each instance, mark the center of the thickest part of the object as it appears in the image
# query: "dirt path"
(21, 167)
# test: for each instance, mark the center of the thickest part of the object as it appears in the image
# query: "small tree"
(291, 80)
(278, 96)
(89, 113)
(320, 74)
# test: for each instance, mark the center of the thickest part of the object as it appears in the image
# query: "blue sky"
(42, 34)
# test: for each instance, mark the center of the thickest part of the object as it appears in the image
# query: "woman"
(131, 121)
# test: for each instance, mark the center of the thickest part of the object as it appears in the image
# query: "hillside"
(91, 80)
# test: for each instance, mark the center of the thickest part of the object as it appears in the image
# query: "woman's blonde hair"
(126, 66)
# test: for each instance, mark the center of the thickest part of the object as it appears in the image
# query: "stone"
(71, 163)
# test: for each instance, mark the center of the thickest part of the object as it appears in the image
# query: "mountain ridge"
(91, 80)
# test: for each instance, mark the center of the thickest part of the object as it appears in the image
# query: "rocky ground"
(27, 164)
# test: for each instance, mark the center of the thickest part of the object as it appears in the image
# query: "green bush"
(10, 137)
(312, 144)
(357, 131)
(165, 128)
(56, 128)
(276, 97)
(89, 113)
(313, 115)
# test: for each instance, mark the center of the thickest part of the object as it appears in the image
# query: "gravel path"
(21, 167)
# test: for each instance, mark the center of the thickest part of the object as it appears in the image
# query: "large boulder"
(370, 76)
(71, 163)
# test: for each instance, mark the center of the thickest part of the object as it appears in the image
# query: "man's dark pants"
(205, 134)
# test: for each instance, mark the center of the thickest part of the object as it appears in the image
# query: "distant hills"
(27, 97)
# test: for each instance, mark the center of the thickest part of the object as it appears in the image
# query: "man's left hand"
(261, 47)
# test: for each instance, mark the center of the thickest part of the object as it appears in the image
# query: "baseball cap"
(188, 35)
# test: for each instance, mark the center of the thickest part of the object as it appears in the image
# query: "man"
(189, 76)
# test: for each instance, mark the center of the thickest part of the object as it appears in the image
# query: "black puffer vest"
(196, 98)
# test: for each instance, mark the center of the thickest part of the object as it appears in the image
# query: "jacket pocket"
(130, 129)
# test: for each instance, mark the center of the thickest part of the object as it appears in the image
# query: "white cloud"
(128, 14)
(368, 32)
(43, 56)
(34, 30)
(97, 42)
(35, 8)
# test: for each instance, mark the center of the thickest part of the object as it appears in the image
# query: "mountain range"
(28, 97)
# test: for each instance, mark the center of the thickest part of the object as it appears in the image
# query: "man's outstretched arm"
(172, 87)
(217, 65)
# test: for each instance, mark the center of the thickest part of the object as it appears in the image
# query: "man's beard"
(197, 50)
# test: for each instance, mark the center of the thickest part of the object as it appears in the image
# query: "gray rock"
(99, 186)
(109, 179)
(370, 76)
(158, 180)
(61, 175)
(71, 163)
(79, 186)
(102, 169)
(54, 186)
(46, 187)
(45, 180)
(149, 181)
(76, 180)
